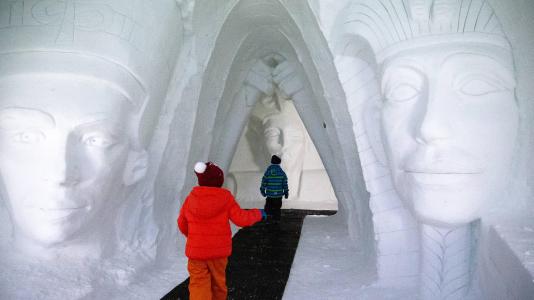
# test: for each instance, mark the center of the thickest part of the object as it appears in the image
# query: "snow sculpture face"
(285, 136)
(449, 124)
(81, 88)
(65, 152)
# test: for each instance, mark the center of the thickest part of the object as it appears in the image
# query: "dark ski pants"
(272, 207)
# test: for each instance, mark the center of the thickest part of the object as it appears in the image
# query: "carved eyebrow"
(414, 73)
(17, 117)
(96, 120)
(405, 62)
(271, 129)
(413, 69)
(470, 54)
(505, 73)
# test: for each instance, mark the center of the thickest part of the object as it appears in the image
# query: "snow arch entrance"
(259, 44)
(275, 127)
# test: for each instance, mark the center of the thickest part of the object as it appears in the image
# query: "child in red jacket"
(203, 220)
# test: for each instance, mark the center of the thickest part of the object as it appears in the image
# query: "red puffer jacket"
(204, 219)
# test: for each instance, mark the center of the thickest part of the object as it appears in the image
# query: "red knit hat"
(209, 174)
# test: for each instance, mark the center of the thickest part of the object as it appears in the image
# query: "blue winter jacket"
(274, 182)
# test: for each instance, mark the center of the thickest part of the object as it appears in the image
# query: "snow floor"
(517, 230)
(328, 265)
(68, 279)
(305, 205)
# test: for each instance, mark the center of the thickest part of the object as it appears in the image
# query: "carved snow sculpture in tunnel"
(449, 121)
(81, 85)
(276, 121)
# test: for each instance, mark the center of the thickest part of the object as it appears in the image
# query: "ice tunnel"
(411, 119)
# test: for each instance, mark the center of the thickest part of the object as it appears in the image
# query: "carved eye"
(272, 133)
(29, 137)
(98, 140)
(402, 92)
(292, 134)
(479, 87)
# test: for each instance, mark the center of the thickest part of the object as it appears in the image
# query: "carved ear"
(136, 167)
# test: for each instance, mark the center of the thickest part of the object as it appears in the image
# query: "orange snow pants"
(207, 279)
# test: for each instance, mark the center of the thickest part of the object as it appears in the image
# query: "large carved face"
(449, 124)
(64, 147)
(285, 136)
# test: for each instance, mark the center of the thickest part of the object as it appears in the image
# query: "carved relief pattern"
(387, 22)
(70, 17)
(393, 224)
(281, 133)
(446, 257)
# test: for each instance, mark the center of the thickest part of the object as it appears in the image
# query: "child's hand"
(263, 214)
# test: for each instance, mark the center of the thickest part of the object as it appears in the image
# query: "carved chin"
(54, 227)
(453, 208)
(443, 199)
(51, 234)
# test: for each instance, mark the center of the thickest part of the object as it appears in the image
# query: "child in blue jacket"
(274, 186)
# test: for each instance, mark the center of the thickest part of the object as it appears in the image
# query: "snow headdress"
(394, 26)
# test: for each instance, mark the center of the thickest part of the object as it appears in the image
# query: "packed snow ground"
(328, 265)
(517, 230)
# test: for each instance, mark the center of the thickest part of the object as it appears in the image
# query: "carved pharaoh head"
(81, 85)
(449, 115)
(277, 121)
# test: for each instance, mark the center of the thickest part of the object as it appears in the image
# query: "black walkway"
(261, 260)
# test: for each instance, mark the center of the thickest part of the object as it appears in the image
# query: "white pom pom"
(200, 167)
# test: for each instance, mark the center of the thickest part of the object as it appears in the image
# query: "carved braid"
(446, 262)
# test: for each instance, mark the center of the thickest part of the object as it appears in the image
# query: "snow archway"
(275, 127)
(237, 74)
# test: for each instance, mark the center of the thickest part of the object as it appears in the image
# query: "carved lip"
(441, 172)
(60, 213)
(442, 168)
(442, 161)
(441, 177)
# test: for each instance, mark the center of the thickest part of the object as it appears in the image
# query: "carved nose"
(61, 174)
(56, 175)
(434, 122)
(62, 168)
(431, 130)
(69, 180)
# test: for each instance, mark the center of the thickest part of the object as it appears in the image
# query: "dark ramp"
(261, 260)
